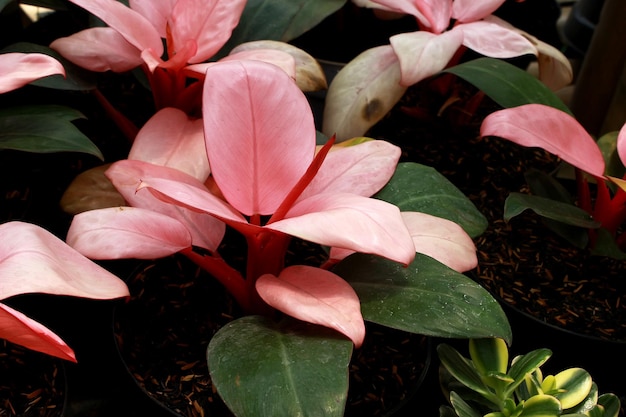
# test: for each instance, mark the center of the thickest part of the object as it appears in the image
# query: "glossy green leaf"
(541, 406)
(574, 385)
(61, 112)
(506, 84)
(76, 78)
(43, 133)
(280, 20)
(526, 364)
(426, 297)
(416, 187)
(462, 369)
(610, 403)
(516, 203)
(605, 245)
(608, 145)
(266, 369)
(489, 355)
(462, 408)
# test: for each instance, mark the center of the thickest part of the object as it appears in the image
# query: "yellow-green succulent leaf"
(489, 355)
(574, 385)
(542, 405)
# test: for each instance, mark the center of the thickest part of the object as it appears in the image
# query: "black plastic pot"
(581, 23)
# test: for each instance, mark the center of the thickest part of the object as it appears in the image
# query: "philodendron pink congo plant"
(373, 82)
(595, 217)
(251, 164)
(171, 41)
(33, 260)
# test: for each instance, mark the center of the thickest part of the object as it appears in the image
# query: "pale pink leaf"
(493, 40)
(135, 28)
(308, 72)
(34, 260)
(537, 125)
(156, 12)
(361, 169)
(423, 54)
(433, 14)
(207, 22)
(171, 138)
(99, 49)
(621, 144)
(127, 232)
(18, 69)
(362, 93)
(472, 10)
(19, 329)
(442, 240)
(206, 231)
(281, 59)
(316, 296)
(352, 222)
(260, 138)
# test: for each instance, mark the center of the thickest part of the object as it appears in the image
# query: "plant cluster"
(485, 384)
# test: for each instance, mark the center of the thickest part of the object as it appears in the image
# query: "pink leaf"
(281, 59)
(434, 14)
(352, 222)
(316, 296)
(127, 232)
(422, 54)
(206, 231)
(442, 240)
(495, 41)
(136, 29)
(156, 12)
(19, 329)
(260, 139)
(34, 260)
(621, 144)
(208, 22)
(537, 125)
(361, 169)
(172, 139)
(18, 69)
(99, 49)
(472, 10)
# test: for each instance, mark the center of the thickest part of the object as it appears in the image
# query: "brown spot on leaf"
(372, 109)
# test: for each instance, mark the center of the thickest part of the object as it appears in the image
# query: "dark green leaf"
(462, 408)
(43, 134)
(605, 245)
(506, 84)
(76, 78)
(280, 20)
(4, 3)
(608, 145)
(264, 369)
(610, 403)
(61, 112)
(566, 213)
(462, 370)
(547, 186)
(426, 297)
(416, 187)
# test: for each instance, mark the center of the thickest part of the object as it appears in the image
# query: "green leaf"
(605, 245)
(574, 385)
(265, 369)
(43, 134)
(416, 187)
(4, 3)
(461, 408)
(610, 403)
(506, 84)
(61, 112)
(462, 370)
(489, 355)
(76, 78)
(280, 20)
(541, 406)
(526, 364)
(566, 213)
(425, 297)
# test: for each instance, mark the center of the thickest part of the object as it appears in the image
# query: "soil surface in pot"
(175, 309)
(521, 261)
